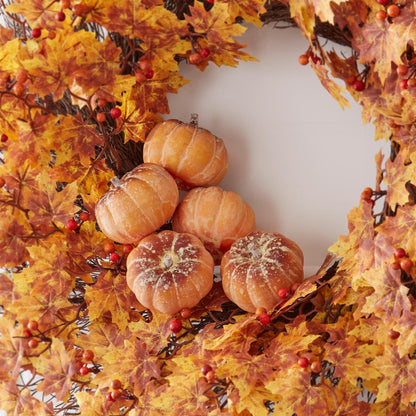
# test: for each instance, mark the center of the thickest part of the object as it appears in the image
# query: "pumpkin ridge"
(218, 216)
(150, 220)
(165, 146)
(115, 220)
(185, 156)
(210, 162)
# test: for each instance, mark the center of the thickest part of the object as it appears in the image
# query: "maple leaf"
(215, 26)
(14, 232)
(44, 307)
(249, 10)
(11, 109)
(38, 13)
(137, 121)
(8, 292)
(57, 372)
(155, 331)
(99, 66)
(49, 269)
(18, 402)
(398, 374)
(111, 294)
(134, 355)
(13, 347)
(103, 336)
(84, 245)
(390, 298)
(396, 176)
(332, 87)
(406, 326)
(72, 135)
(151, 94)
(374, 42)
(325, 10)
(304, 15)
(51, 64)
(401, 228)
(187, 398)
(300, 396)
(93, 403)
(50, 206)
(350, 358)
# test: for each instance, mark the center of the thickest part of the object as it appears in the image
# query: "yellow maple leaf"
(249, 10)
(57, 372)
(215, 25)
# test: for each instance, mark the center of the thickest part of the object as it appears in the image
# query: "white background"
(295, 156)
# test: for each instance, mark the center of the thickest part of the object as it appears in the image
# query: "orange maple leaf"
(398, 374)
(111, 294)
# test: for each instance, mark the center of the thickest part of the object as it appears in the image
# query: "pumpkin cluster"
(173, 269)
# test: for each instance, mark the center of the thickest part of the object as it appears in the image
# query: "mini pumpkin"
(138, 204)
(193, 155)
(216, 216)
(170, 271)
(258, 266)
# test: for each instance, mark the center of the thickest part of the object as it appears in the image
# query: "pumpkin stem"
(194, 119)
(167, 259)
(254, 251)
(115, 181)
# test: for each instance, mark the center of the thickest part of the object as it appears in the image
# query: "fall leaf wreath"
(111, 303)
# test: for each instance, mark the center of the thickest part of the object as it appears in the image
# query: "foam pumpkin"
(258, 266)
(216, 216)
(137, 204)
(193, 155)
(170, 271)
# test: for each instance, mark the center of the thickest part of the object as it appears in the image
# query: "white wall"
(295, 156)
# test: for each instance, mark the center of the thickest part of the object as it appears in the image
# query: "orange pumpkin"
(138, 204)
(194, 156)
(216, 216)
(170, 271)
(258, 266)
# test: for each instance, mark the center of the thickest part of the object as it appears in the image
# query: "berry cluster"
(208, 372)
(144, 71)
(33, 340)
(407, 75)
(315, 365)
(197, 57)
(113, 256)
(101, 115)
(82, 363)
(402, 261)
(73, 224)
(309, 56)
(367, 196)
(283, 293)
(391, 10)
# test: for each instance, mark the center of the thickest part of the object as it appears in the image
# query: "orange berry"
(402, 70)
(367, 193)
(33, 343)
(210, 376)
(84, 216)
(140, 77)
(109, 247)
(101, 117)
(393, 10)
(186, 313)
(88, 355)
(406, 264)
(411, 82)
(303, 59)
(145, 65)
(316, 367)
(381, 14)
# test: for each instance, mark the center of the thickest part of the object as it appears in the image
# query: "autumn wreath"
(82, 82)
